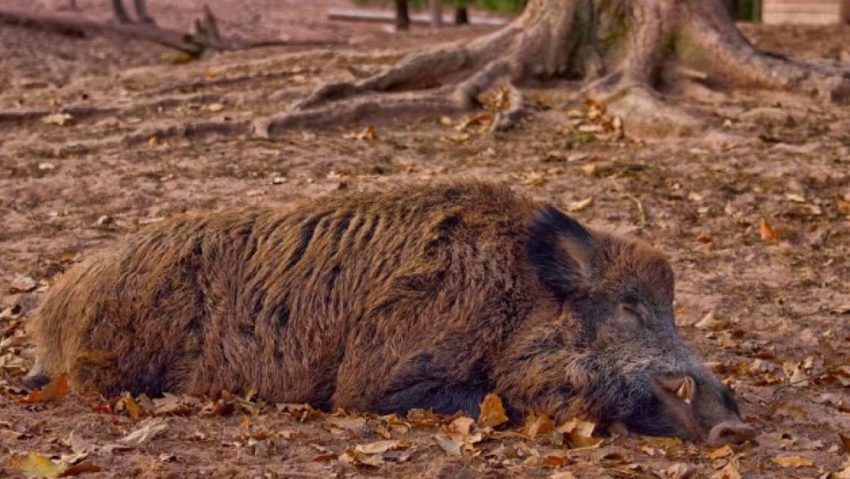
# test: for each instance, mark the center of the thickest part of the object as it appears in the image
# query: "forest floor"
(754, 215)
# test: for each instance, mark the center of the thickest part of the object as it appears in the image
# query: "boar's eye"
(634, 312)
(627, 318)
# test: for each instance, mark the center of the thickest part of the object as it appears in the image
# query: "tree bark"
(436, 9)
(121, 15)
(402, 15)
(629, 54)
(461, 15)
(142, 14)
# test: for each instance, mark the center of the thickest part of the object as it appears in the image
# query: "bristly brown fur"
(418, 297)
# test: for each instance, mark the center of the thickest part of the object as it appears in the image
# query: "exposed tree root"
(81, 112)
(631, 54)
(623, 49)
(396, 106)
(188, 130)
(206, 36)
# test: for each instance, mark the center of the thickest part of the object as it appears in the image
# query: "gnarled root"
(621, 47)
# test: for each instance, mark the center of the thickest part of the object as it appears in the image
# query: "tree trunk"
(627, 52)
(461, 15)
(436, 9)
(402, 15)
(142, 12)
(120, 12)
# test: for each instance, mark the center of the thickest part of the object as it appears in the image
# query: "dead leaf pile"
(594, 124)
(12, 341)
(37, 465)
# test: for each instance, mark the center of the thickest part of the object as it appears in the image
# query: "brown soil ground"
(781, 307)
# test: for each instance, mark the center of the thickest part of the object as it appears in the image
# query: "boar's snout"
(701, 409)
(733, 431)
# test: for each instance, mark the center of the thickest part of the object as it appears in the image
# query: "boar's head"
(631, 366)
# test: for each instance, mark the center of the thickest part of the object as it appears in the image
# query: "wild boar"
(420, 297)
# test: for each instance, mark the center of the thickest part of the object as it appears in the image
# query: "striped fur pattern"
(423, 297)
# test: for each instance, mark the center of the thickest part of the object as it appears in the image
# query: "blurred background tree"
(497, 6)
(744, 10)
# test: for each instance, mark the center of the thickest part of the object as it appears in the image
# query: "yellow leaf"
(536, 425)
(54, 391)
(710, 322)
(728, 472)
(535, 178)
(36, 465)
(580, 433)
(60, 119)
(767, 232)
(579, 205)
(133, 409)
(724, 451)
(662, 442)
(378, 447)
(367, 134)
(492, 412)
(792, 461)
(462, 425)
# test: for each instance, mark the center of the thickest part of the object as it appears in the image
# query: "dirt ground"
(754, 216)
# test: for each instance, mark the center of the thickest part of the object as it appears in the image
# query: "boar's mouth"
(676, 407)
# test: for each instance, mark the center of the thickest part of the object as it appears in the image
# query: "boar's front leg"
(540, 372)
(394, 377)
(424, 382)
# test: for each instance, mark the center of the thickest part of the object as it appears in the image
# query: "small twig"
(812, 377)
(641, 211)
(644, 221)
(206, 38)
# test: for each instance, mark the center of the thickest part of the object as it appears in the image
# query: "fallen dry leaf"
(133, 409)
(579, 433)
(36, 465)
(378, 447)
(54, 391)
(60, 119)
(535, 178)
(536, 425)
(80, 468)
(492, 412)
(484, 119)
(452, 446)
(367, 134)
(22, 284)
(796, 374)
(680, 471)
(720, 452)
(776, 440)
(792, 461)
(462, 425)
(579, 205)
(767, 232)
(215, 107)
(845, 441)
(146, 431)
(730, 471)
(710, 322)
(662, 442)
(555, 460)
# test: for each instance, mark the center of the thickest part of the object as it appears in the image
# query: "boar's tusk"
(686, 390)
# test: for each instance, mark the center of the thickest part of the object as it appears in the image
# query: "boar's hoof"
(730, 432)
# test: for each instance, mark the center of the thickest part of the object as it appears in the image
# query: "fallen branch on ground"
(206, 36)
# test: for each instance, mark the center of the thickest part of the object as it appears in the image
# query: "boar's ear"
(561, 250)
